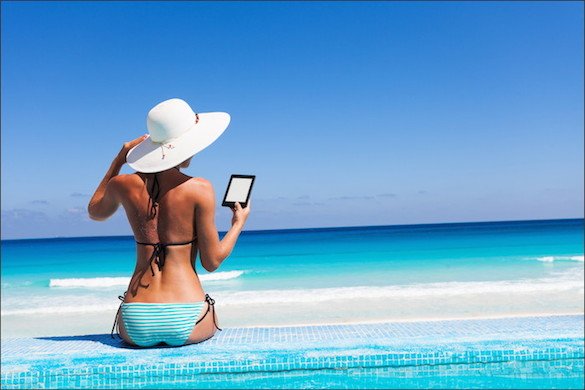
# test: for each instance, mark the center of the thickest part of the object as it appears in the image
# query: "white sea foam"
(62, 309)
(550, 259)
(227, 275)
(90, 282)
(124, 281)
(566, 282)
(450, 289)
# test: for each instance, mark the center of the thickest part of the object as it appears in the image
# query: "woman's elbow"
(97, 218)
(210, 264)
(93, 215)
(97, 213)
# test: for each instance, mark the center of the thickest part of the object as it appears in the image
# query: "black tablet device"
(238, 190)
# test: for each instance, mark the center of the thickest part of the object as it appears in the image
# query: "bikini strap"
(210, 304)
(181, 243)
(170, 244)
(159, 253)
(156, 193)
(154, 198)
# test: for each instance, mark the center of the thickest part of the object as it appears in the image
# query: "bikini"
(148, 324)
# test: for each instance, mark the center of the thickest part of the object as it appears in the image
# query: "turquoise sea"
(331, 275)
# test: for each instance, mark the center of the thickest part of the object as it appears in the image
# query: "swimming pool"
(530, 352)
(559, 374)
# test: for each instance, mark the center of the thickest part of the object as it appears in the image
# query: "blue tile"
(95, 360)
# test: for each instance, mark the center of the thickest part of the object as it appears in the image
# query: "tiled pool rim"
(98, 361)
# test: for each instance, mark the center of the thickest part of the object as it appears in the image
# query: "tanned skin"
(186, 209)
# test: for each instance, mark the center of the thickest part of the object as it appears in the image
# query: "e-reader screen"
(238, 190)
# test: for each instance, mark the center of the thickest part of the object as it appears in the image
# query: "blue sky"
(348, 113)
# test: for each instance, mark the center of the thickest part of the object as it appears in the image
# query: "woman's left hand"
(129, 145)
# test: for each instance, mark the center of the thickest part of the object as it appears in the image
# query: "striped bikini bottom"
(149, 324)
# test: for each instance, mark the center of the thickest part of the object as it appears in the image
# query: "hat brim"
(149, 156)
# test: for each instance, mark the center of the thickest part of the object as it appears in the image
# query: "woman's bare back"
(170, 220)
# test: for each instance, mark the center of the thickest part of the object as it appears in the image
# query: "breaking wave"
(550, 259)
(124, 281)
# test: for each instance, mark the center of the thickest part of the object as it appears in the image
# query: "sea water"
(68, 286)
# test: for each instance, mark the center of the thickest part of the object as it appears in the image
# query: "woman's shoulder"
(201, 184)
(127, 179)
(201, 189)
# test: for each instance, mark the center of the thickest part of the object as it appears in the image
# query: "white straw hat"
(175, 134)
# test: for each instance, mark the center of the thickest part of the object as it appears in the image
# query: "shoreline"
(425, 319)
(353, 323)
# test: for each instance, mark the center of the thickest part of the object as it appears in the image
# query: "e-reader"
(238, 190)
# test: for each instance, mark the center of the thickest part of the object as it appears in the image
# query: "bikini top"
(159, 252)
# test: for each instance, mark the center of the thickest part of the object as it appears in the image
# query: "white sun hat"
(176, 133)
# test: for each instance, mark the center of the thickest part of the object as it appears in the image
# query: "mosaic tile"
(97, 361)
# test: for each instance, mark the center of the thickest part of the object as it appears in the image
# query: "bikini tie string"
(158, 256)
(210, 305)
(121, 298)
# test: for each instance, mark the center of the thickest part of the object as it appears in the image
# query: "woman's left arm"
(105, 201)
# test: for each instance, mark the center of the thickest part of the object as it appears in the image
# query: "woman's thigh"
(206, 328)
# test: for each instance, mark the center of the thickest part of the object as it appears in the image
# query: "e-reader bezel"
(232, 177)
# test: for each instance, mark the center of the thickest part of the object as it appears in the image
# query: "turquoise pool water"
(556, 374)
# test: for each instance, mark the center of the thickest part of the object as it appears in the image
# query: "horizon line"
(324, 228)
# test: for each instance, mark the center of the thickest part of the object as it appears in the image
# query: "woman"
(172, 217)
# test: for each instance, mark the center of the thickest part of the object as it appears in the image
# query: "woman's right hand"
(127, 146)
(240, 215)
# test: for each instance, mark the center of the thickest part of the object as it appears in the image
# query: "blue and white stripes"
(148, 324)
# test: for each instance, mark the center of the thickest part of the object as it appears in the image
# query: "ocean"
(69, 286)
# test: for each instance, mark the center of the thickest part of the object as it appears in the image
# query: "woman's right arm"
(212, 250)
